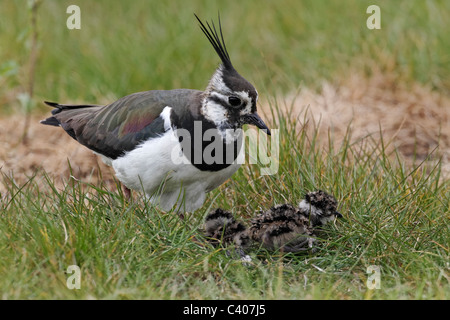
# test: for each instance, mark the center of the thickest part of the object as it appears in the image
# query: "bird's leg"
(239, 252)
(294, 249)
(126, 192)
(303, 246)
(311, 242)
(244, 256)
(299, 247)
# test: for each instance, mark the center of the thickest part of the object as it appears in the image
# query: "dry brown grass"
(413, 119)
(48, 148)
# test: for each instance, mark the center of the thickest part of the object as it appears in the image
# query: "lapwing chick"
(222, 229)
(321, 208)
(160, 141)
(293, 229)
(282, 227)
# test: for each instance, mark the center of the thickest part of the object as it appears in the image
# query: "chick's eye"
(234, 101)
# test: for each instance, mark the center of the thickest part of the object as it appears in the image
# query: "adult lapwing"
(175, 145)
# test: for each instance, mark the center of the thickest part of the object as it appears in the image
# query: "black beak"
(338, 215)
(254, 118)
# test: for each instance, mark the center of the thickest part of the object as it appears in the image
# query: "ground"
(414, 119)
(362, 114)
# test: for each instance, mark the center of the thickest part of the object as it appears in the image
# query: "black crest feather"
(216, 40)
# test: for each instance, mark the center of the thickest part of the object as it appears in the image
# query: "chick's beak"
(338, 215)
(255, 119)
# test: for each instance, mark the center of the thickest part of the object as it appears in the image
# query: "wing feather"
(119, 127)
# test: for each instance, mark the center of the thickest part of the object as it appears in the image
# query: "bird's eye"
(234, 101)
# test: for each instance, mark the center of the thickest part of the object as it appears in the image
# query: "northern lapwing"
(294, 229)
(284, 227)
(222, 229)
(175, 145)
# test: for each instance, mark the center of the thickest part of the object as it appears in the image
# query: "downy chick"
(222, 229)
(294, 229)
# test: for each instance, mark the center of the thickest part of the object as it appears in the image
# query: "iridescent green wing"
(119, 127)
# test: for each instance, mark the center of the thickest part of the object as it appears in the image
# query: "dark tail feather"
(52, 121)
(52, 104)
(60, 107)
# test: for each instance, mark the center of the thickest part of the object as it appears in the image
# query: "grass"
(123, 48)
(395, 218)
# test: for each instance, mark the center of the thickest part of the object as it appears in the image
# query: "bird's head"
(229, 100)
(321, 206)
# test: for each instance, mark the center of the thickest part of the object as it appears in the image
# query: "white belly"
(160, 169)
